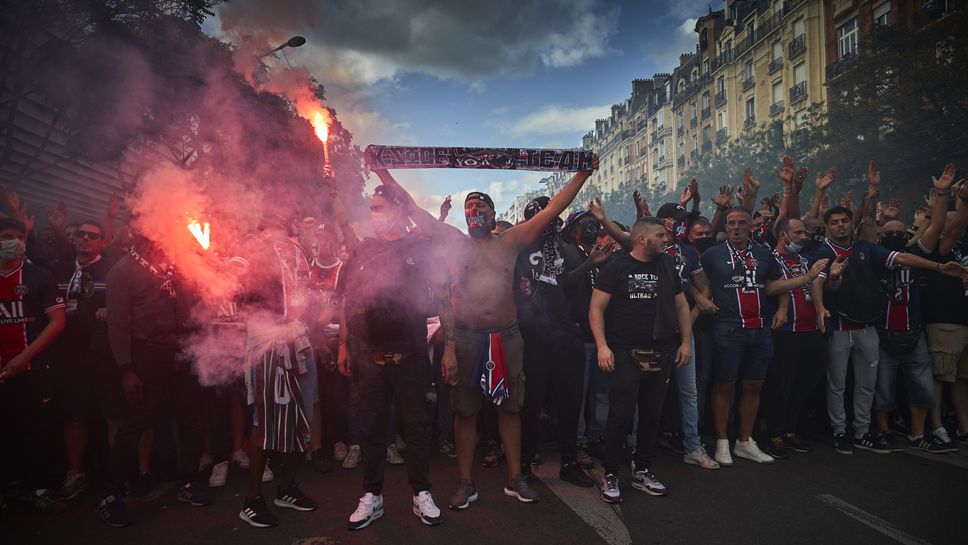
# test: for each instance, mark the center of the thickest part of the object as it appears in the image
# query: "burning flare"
(201, 232)
(322, 129)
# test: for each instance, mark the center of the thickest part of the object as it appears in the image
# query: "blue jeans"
(594, 408)
(742, 354)
(919, 379)
(688, 402)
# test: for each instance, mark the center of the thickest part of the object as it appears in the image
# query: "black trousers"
(168, 385)
(629, 386)
(379, 386)
(554, 362)
(799, 365)
(29, 428)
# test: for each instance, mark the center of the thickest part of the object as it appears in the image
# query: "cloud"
(680, 9)
(665, 53)
(553, 120)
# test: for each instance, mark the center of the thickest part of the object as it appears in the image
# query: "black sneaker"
(961, 437)
(887, 440)
(293, 498)
(320, 462)
(194, 494)
(494, 455)
(140, 485)
(447, 448)
(113, 512)
(843, 444)
(868, 442)
(257, 514)
(775, 448)
(792, 442)
(584, 460)
(574, 474)
(45, 503)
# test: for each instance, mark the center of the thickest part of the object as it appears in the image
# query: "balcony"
(720, 98)
(692, 155)
(840, 67)
(798, 46)
(721, 136)
(693, 123)
(681, 130)
(681, 161)
(655, 165)
(664, 162)
(663, 132)
(749, 123)
(705, 113)
(775, 65)
(798, 92)
(749, 83)
(776, 108)
(707, 146)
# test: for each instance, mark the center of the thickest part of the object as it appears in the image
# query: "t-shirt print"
(642, 286)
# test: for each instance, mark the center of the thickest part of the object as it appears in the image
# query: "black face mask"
(894, 241)
(590, 233)
(703, 243)
(480, 224)
(809, 245)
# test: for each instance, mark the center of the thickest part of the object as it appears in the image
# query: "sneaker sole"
(692, 462)
(643, 488)
(350, 466)
(253, 523)
(365, 523)
(425, 520)
(73, 495)
(194, 503)
(470, 499)
(753, 458)
(724, 463)
(873, 449)
(612, 501)
(522, 499)
(114, 524)
(286, 505)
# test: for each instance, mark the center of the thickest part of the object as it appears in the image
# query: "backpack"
(860, 298)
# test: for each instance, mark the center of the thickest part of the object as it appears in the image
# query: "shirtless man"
(488, 346)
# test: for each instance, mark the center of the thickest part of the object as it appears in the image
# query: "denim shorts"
(916, 369)
(741, 354)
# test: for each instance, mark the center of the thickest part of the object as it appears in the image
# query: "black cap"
(481, 196)
(671, 210)
(394, 194)
(536, 205)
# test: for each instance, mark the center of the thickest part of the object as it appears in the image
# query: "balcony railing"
(681, 130)
(775, 65)
(720, 98)
(841, 66)
(798, 92)
(707, 146)
(692, 155)
(721, 136)
(748, 83)
(693, 123)
(662, 132)
(664, 162)
(749, 123)
(776, 108)
(798, 46)
(655, 165)
(705, 113)
(681, 160)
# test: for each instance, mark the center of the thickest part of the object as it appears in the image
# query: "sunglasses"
(87, 234)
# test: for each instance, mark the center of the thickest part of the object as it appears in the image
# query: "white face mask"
(382, 222)
(12, 249)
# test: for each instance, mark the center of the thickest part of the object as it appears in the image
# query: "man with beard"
(489, 346)
(552, 347)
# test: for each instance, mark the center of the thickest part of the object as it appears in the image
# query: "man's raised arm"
(525, 233)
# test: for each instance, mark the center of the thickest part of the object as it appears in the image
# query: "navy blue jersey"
(801, 314)
(27, 294)
(902, 285)
(877, 257)
(687, 263)
(738, 280)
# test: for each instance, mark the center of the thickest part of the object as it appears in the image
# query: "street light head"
(295, 41)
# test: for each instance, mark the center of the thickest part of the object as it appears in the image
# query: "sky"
(501, 73)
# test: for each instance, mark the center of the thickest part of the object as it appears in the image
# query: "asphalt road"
(822, 497)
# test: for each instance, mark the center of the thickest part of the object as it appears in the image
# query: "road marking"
(953, 458)
(871, 521)
(605, 519)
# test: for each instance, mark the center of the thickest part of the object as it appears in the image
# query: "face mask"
(793, 247)
(680, 230)
(758, 234)
(479, 224)
(895, 241)
(382, 223)
(12, 249)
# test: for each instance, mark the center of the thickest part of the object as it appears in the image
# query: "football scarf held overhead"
(567, 160)
(491, 368)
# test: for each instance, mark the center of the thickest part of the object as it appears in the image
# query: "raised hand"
(847, 201)
(750, 184)
(57, 217)
(13, 201)
(947, 178)
(445, 207)
(694, 187)
(892, 210)
(686, 196)
(787, 174)
(774, 201)
(799, 178)
(114, 206)
(725, 197)
(873, 177)
(599, 254)
(596, 209)
(823, 182)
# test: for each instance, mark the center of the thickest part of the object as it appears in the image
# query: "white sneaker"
(241, 459)
(220, 473)
(340, 450)
(393, 456)
(722, 453)
(751, 451)
(425, 508)
(369, 509)
(699, 458)
(398, 441)
(352, 457)
(267, 474)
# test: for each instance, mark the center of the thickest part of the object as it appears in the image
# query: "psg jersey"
(27, 294)
(738, 279)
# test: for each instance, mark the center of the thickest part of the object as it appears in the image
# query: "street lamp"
(295, 41)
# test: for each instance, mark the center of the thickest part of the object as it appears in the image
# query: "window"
(722, 120)
(847, 39)
(660, 119)
(749, 69)
(705, 64)
(680, 121)
(777, 50)
(882, 14)
(777, 92)
(728, 48)
(721, 85)
(798, 28)
(800, 73)
(750, 108)
(705, 101)
(695, 141)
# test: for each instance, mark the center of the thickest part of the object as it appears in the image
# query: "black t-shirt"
(945, 299)
(388, 289)
(543, 264)
(634, 287)
(83, 289)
